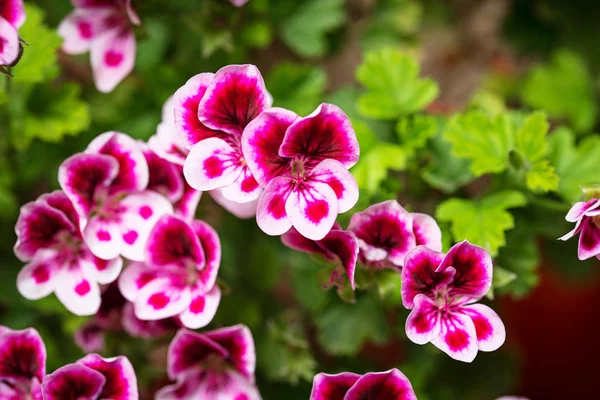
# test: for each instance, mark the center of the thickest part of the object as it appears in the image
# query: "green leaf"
(413, 132)
(373, 167)
(483, 140)
(482, 222)
(393, 85)
(39, 58)
(501, 278)
(344, 328)
(445, 171)
(151, 51)
(306, 29)
(489, 102)
(394, 22)
(575, 165)
(297, 87)
(521, 258)
(564, 88)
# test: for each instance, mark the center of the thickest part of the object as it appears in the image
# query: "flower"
(107, 185)
(338, 246)
(303, 164)
(58, 259)
(238, 3)
(104, 28)
(215, 365)
(586, 216)
(12, 17)
(169, 144)
(440, 290)
(211, 113)
(93, 378)
(389, 385)
(22, 364)
(386, 233)
(178, 275)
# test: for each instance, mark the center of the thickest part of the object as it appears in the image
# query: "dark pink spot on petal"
(85, 29)
(101, 265)
(103, 236)
(197, 305)
(457, 340)
(146, 212)
(113, 58)
(482, 326)
(249, 184)
(422, 323)
(143, 279)
(41, 274)
(317, 210)
(212, 167)
(158, 300)
(337, 187)
(242, 396)
(83, 288)
(276, 207)
(130, 237)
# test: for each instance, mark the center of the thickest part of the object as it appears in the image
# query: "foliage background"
(464, 144)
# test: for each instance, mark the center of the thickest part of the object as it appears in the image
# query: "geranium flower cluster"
(391, 384)
(586, 216)
(12, 17)
(23, 372)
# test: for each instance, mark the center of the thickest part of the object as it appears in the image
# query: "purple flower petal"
(188, 350)
(73, 381)
(164, 177)
(458, 337)
(312, 209)
(332, 387)
(240, 210)
(13, 11)
(79, 294)
(473, 265)
(345, 247)
(9, 40)
(174, 244)
(99, 270)
(211, 248)
(337, 177)
(112, 57)
(103, 237)
(212, 163)
(589, 240)
(90, 337)
(135, 327)
(391, 384)
(60, 201)
(187, 204)
(162, 298)
(419, 274)
(271, 214)
(582, 208)
(423, 324)
(81, 27)
(202, 308)
(427, 232)
(39, 278)
(490, 330)
(244, 189)
(238, 342)
(121, 382)
(22, 354)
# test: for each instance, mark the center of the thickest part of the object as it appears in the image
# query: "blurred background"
(497, 56)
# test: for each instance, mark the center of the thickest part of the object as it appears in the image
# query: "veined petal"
(13, 11)
(90, 337)
(164, 177)
(212, 163)
(202, 309)
(82, 175)
(103, 238)
(60, 201)
(419, 274)
(121, 382)
(332, 387)
(73, 381)
(113, 57)
(211, 248)
(423, 324)
(573, 232)
(589, 239)
(391, 384)
(167, 144)
(235, 96)
(22, 354)
(473, 265)
(142, 211)
(137, 328)
(226, 386)
(187, 350)
(186, 206)
(345, 247)
(79, 294)
(134, 278)
(295, 240)
(581, 208)
(238, 342)
(334, 174)
(261, 141)
(271, 214)
(133, 17)
(240, 210)
(185, 108)
(325, 134)
(183, 390)
(133, 169)
(161, 299)
(490, 330)
(173, 243)
(39, 278)
(426, 231)
(81, 27)
(9, 40)
(313, 209)
(457, 337)
(244, 189)
(386, 226)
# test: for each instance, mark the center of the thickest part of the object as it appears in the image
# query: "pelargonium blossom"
(104, 28)
(12, 17)
(93, 378)
(215, 365)
(211, 113)
(388, 385)
(338, 246)
(303, 165)
(168, 144)
(386, 233)
(58, 259)
(107, 185)
(178, 275)
(22, 364)
(586, 216)
(441, 291)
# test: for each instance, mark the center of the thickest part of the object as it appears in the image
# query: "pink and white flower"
(441, 291)
(178, 275)
(58, 259)
(303, 165)
(93, 378)
(338, 246)
(586, 216)
(216, 365)
(389, 385)
(386, 233)
(238, 3)
(107, 185)
(22, 364)
(104, 28)
(12, 17)
(211, 113)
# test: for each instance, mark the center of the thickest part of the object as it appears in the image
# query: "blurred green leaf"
(393, 85)
(413, 132)
(445, 171)
(520, 257)
(297, 87)
(564, 88)
(501, 278)
(394, 21)
(481, 222)
(306, 29)
(151, 50)
(373, 166)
